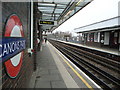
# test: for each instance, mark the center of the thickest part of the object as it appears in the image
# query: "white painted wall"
(106, 38)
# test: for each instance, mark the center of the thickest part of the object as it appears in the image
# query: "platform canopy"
(105, 25)
(59, 11)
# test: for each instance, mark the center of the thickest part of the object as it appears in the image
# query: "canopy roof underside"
(59, 10)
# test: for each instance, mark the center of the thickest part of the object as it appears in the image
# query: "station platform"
(54, 70)
(106, 50)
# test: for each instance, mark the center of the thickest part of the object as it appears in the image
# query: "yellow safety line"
(84, 81)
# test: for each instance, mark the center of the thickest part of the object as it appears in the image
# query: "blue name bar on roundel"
(9, 47)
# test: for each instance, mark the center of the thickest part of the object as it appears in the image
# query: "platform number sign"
(13, 45)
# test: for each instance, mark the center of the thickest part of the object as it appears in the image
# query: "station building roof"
(59, 10)
(105, 25)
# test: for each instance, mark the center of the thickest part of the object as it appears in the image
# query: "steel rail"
(76, 56)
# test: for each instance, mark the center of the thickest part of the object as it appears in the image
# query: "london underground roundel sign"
(13, 46)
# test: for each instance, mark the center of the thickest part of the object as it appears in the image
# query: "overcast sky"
(96, 11)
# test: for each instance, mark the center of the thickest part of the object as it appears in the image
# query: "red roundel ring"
(14, 29)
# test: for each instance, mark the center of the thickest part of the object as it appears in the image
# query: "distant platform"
(111, 51)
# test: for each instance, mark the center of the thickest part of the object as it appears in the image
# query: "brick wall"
(22, 10)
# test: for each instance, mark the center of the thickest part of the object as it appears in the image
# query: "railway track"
(103, 71)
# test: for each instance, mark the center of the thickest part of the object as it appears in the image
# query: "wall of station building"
(110, 39)
(104, 38)
(22, 79)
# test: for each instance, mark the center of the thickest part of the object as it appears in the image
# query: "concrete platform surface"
(54, 72)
